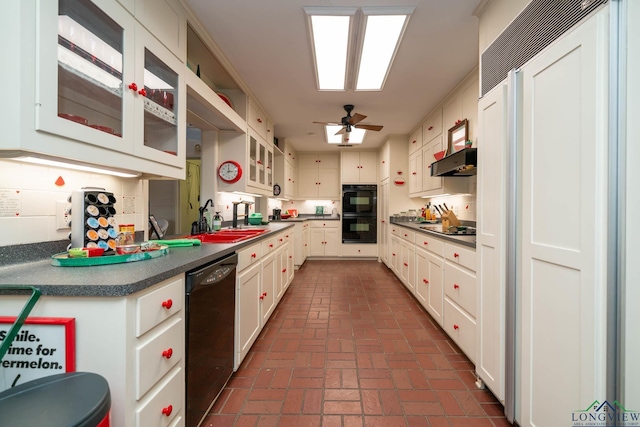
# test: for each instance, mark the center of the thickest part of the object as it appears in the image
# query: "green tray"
(63, 260)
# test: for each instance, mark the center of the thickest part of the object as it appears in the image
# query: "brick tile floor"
(348, 346)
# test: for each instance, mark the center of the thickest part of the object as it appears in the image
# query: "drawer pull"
(133, 86)
(253, 255)
(406, 235)
(290, 257)
(456, 255)
(167, 411)
(393, 254)
(456, 327)
(430, 127)
(167, 353)
(406, 265)
(264, 294)
(426, 243)
(280, 239)
(284, 270)
(455, 286)
(167, 304)
(425, 281)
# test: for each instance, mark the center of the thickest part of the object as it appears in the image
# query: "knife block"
(449, 219)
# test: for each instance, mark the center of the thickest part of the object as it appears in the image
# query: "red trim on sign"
(69, 324)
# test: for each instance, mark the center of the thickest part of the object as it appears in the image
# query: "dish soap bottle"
(217, 222)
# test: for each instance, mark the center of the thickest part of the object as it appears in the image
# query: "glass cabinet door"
(262, 172)
(269, 167)
(82, 66)
(253, 159)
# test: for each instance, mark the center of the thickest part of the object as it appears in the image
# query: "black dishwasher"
(210, 320)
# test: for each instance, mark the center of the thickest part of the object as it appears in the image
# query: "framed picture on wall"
(458, 136)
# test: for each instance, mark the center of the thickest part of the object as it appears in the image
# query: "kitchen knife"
(438, 209)
(444, 211)
(445, 206)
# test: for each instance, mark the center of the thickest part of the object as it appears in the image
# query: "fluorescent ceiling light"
(330, 31)
(336, 37)
(381, 40)
(76, 166)
(356, 136)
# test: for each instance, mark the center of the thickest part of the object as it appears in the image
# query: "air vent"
(539, 24)
(345, 145)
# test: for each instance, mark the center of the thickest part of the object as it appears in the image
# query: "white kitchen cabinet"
(164, 19)
(429, 281)
(407, 265)
(415, 140)
(256, 159)
(257, 120)
(394, 253)
(128, 101)
(563, 264)
(415, 173)
(384, 162)
(300, 242)
(319, 176)
(306, 242)
(359, 167)
(285, 175)
(248, 312)
(430, 183)
(491, 239)
(324, 238)
(134, 331)
(383, 221)
(432, 125)
(268, 291)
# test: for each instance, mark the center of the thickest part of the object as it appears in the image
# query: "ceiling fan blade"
(369, 127)
(329, 123)
(340, 132)
(356, 118)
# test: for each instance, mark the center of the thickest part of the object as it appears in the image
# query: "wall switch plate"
(63, 215)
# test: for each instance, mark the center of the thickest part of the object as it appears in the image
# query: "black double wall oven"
(359, 213)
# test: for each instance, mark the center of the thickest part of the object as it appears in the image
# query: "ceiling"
(267, 44)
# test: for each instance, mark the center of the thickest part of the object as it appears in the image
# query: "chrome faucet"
(203, 226)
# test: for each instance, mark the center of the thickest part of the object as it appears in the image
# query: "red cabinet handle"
(259, 162)
(414, 173)
(430, 127)
(382, 221)
(167, 353)
(455, 255)
(259, 120)
(383, 162)
(290, 257)
(167, 411)
(280, 239)
(286, 235)
(425, 281)
(265, 294)
(426, 243)
(284, 270)
(253, 255)
(143, 92)
(413, 142)
(406, 235)
(167, 304)
(406, 265)
(393, 254)
(456, 327)
(270, 245)
(455, 286)
(133, 86)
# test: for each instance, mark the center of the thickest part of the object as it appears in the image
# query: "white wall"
(32, 192)
(495, 17)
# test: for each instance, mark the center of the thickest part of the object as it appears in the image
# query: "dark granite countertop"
(469, 241)
(309, 217)
(117, 280)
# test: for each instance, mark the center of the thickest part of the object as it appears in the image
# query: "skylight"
(340, 33)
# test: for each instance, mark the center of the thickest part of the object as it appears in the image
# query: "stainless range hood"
(461, 163)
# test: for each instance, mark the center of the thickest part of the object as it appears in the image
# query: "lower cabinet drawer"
(248, 256)
(359, 250)
(164, 404)
(460, 287)
(156, 357)
(429, 243)
(461, 328)
(157, 306)
(461, 256)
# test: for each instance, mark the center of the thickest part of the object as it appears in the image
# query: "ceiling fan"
(350, 121)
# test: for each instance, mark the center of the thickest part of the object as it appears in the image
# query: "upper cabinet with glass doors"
(103, 79)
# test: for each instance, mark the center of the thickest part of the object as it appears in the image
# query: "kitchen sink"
(229, 235)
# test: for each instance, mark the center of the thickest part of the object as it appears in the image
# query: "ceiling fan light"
(355, 136)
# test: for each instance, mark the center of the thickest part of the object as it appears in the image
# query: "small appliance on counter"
(276, 214)
(93, 222)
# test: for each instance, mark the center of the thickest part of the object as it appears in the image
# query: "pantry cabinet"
(103, 79)
(359, 167)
